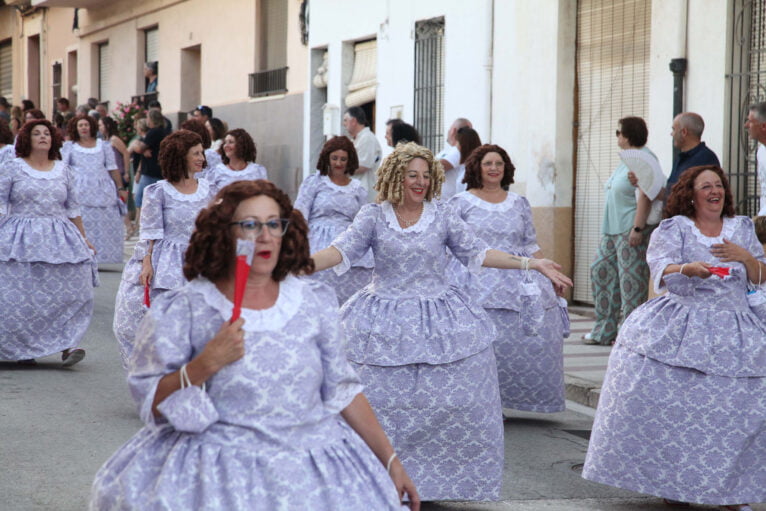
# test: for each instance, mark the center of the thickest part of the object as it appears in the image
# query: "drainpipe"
(678, 66)
(489, 66)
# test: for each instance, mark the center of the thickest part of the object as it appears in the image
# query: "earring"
(692, 202)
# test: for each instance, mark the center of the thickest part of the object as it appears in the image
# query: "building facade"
(243, 58)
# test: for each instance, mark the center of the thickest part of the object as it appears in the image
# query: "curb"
(581, 391)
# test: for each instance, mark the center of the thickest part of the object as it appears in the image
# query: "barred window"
(429, 82)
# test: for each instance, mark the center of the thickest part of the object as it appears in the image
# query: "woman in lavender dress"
(170, 208)
(281, 422)
(109, 131)
(237, 161)
(527, 314)
(212, 158)
(7, 150)
(682, 412)
(47, 271)
(329, 202)
(99, 187)
(422, 347)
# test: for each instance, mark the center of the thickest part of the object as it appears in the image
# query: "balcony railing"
(266, 83)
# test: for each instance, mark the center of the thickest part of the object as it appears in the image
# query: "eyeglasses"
(276, 227)
(617, 133)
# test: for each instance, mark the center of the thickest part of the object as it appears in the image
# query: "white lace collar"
(349, 188)
(203, 189)
(274, 318)
(224, 169)
(425, 220)
(507, 204)
(77, 147)
(729, 226)
(53, 173)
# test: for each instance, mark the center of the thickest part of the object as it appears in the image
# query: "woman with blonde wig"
(422, 348)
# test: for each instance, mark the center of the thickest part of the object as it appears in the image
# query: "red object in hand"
(147, 299)
(721, 271)
(245, 251)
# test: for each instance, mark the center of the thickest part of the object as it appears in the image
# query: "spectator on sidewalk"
(450, 155)
(367, 148)
(619, 274)
(756, 128)
(687, 134)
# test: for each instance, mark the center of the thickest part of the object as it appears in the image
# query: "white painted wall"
(392, 23)
(694, 30)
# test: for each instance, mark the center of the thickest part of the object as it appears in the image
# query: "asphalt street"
(58, 426)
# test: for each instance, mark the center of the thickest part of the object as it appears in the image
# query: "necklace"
(408, 223)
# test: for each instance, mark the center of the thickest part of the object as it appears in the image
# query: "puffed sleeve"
(66, 152)
(354, 242)
(109, 162)
(751, 239)
(72, 205)
(665, 248)
(163, 344)
(261, 172)
(530, 245)
(306, 194)
(6, 185)
(152, 221)
(360, 192)
(467, 247)
(340, 383)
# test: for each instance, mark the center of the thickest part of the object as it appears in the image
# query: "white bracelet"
(390, 460)
(525, 263)
(681, 271)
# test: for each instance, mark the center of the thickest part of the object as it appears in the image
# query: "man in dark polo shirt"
(149, 149)
(687, 133)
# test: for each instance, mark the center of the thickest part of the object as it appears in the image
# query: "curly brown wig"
(212, 249)
(71, 127)
(173, 151)
(245, 147)
(390, 175)
(472, 177)
(338, 144)
(24, 139)
(199, 128)
(6, 135)
(681, 200)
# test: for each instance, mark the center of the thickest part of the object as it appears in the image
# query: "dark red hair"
(24, 139)
(472, 177)
(71, 127)
(212, 253)
(681, 200)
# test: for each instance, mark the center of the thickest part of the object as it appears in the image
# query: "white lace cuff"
(344, 265)
(151, 234)
(476, 263)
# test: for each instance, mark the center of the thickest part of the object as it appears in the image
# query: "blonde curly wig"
(390, 175)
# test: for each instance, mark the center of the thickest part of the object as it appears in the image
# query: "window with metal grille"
(271, 77)
(56, 82)
(103, 71)
(151, 44)
(746, 85)
(6, 70)
(612, 67)
(429, 82)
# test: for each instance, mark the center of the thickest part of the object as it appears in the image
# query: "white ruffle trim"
(77, 147)
(729, 227)
(54, 173)
(274, 318)
(252, 168)
(349, 188)
(344, 265)
(423, 223)
(476, 263)
(507, 204)
(151, 234)
(203, 188)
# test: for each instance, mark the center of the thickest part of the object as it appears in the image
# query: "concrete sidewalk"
(584, 365)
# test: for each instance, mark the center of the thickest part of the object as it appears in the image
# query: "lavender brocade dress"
(212, 158)
(423, 351)
(682, 413)
(329, 209)
(100, 205)
(222, 175)
(528, 316)
(279, 444)
(167, 217)
(47, 272)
